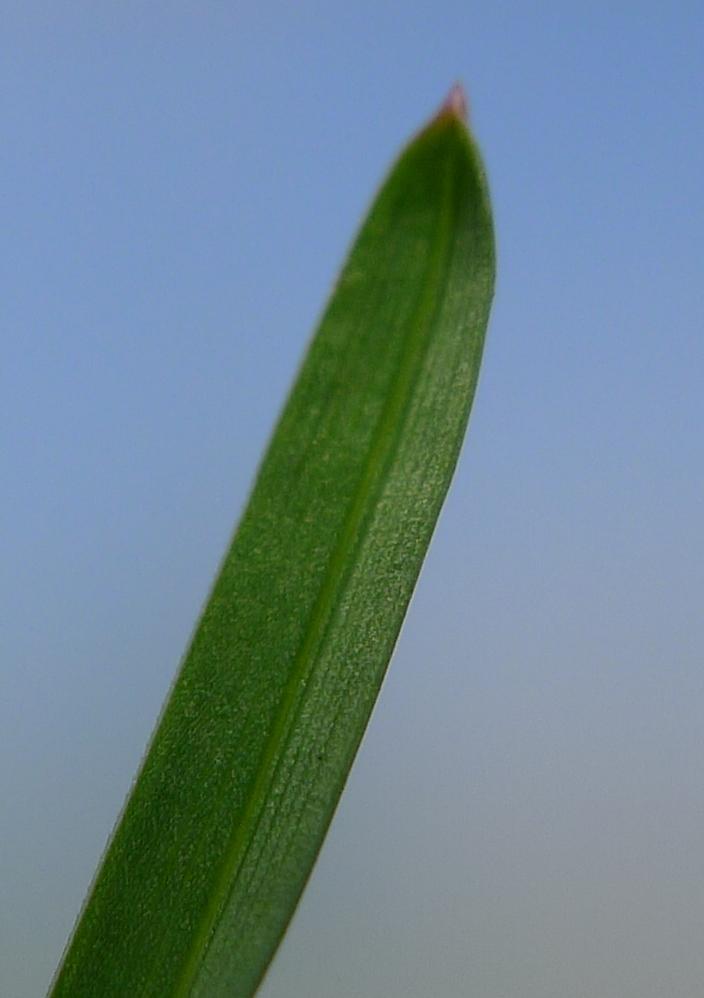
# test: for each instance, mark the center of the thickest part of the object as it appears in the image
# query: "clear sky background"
(178, 185)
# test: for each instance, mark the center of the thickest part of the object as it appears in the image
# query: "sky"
(178, 186)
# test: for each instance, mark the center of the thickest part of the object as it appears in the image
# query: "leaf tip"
(455, 104)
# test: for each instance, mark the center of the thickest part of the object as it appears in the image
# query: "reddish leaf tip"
(455, 104)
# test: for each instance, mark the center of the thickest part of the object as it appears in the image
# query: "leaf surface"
(251, 753)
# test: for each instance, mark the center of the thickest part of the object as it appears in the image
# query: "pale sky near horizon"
(178, 185)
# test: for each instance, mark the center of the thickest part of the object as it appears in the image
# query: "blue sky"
(179, 183)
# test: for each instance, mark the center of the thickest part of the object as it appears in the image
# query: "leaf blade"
(253, 748)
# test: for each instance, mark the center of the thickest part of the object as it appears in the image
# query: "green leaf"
(251, 753)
